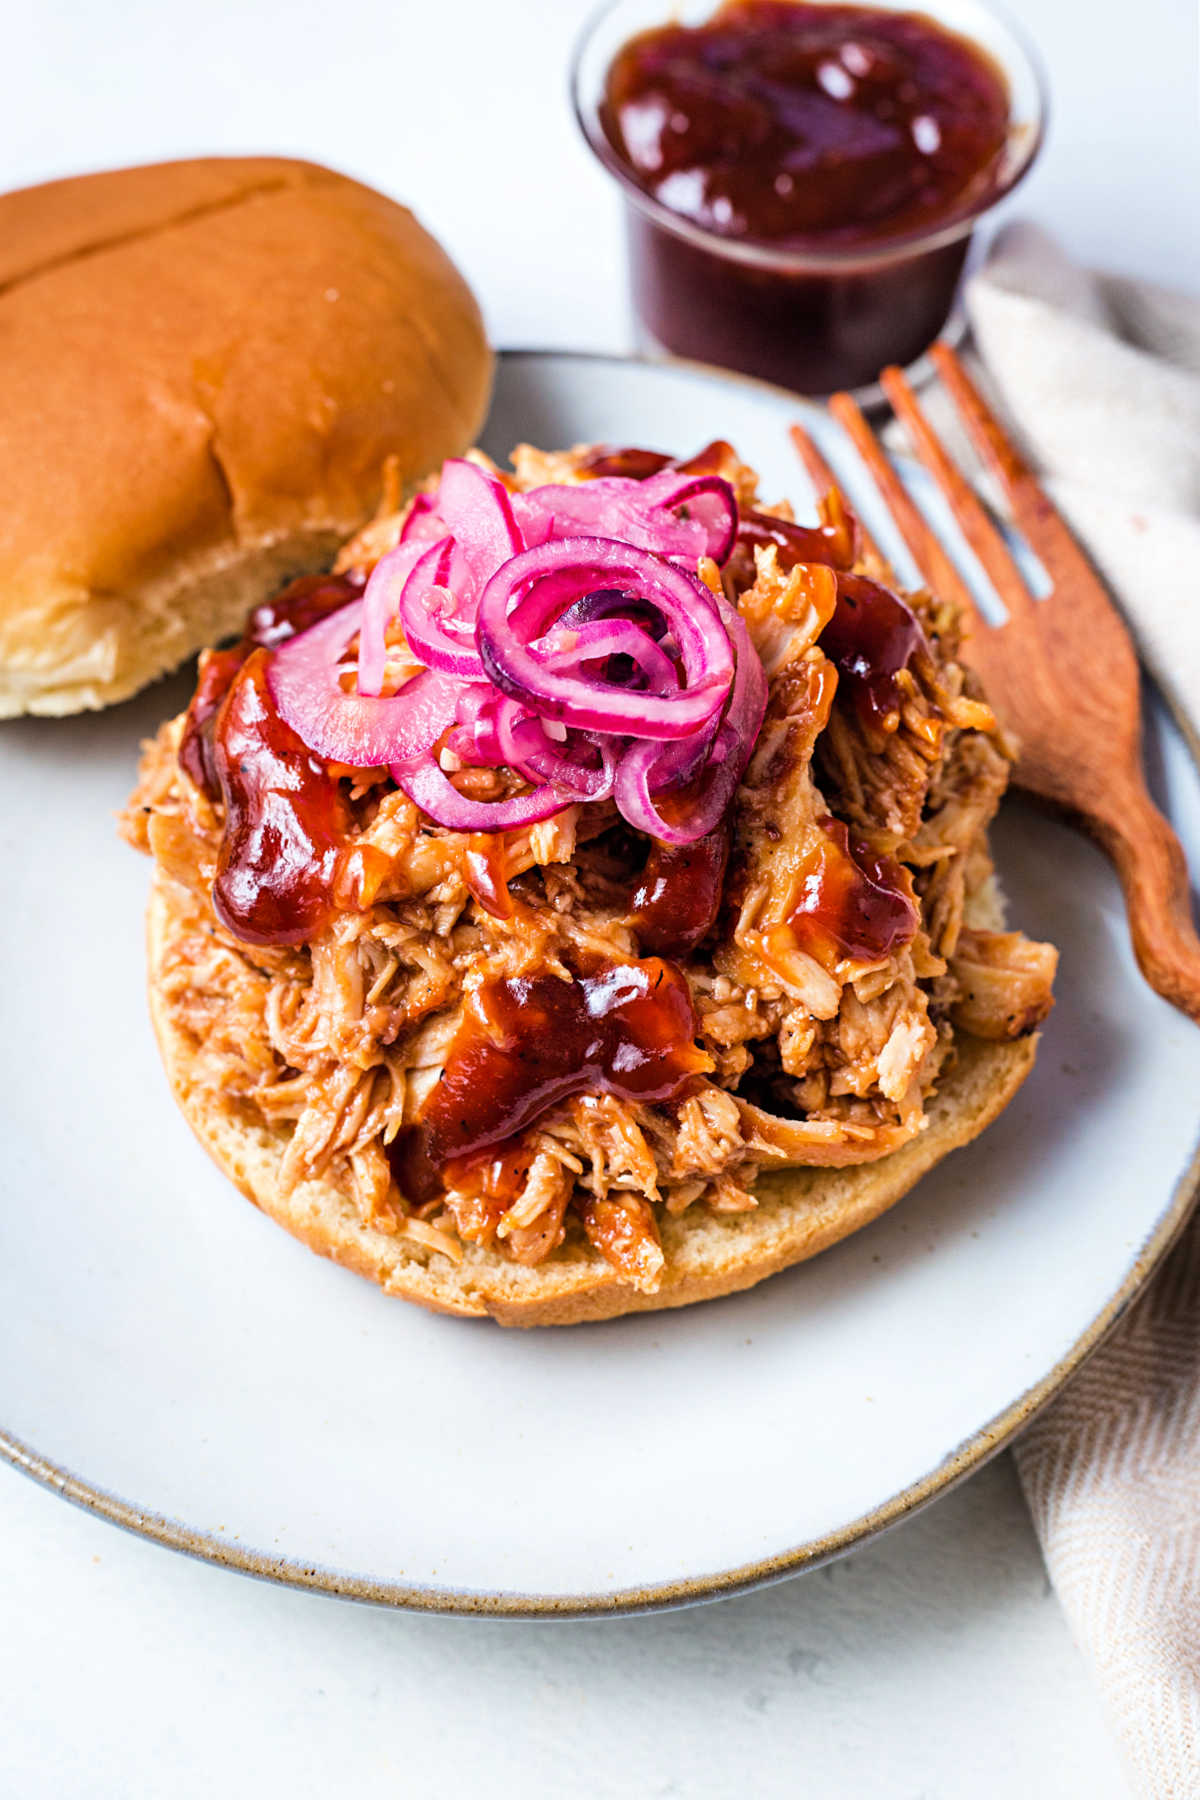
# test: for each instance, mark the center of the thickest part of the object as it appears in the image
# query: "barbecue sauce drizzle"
(870, 639)
(676, 902)
(287, 823)
(853, 902)
(529, 1042)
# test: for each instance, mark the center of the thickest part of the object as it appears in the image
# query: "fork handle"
(1153, 872)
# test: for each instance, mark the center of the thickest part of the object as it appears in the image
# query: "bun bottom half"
(800, 1212)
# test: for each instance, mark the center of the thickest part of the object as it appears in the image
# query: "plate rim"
(984, 1443)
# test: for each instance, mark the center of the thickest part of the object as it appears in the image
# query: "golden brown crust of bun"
(800, 1211)
(203, 366)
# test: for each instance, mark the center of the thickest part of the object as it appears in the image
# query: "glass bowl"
(817, 319)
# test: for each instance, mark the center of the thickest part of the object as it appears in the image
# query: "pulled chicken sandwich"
(579, 901)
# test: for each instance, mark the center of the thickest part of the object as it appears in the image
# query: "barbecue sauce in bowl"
(802, 179)
(807, 125)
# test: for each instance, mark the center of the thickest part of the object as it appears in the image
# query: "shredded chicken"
(814, 1057)
(1003, 982)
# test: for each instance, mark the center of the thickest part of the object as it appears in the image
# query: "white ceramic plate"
(173, 1360)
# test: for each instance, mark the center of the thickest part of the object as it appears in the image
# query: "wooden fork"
(1061, 672)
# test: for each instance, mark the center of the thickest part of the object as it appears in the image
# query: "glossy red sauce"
(217, 670)
(638, 465)
(676, 902)
(804, 128)
(630, 463)
(797, 543)
(300, 605)
(529, 1042)
(486, 873)
(870, 638)
(799, 124)
(286, 819)
(853, 902)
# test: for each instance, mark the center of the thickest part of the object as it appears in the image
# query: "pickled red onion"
(513, 613)
(565, 636)
(379, 607)
(676, 515)
(356, 729)
(433, 630)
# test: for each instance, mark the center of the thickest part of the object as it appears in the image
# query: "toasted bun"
(800, 1211)
(203, 366)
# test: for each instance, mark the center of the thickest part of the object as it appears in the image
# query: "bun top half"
(203, 368)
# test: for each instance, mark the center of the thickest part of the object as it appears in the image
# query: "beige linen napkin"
(1101, 378)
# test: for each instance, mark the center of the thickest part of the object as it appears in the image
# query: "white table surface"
(933, 1663)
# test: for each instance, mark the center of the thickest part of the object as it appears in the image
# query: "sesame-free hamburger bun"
(204, 367)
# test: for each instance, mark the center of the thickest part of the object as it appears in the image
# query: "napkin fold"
(1100, 378)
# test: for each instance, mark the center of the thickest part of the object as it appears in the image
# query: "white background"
(935, 1663)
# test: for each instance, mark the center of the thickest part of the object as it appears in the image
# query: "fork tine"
(991, 440)
(973, 521)
(823, 478)
(820, 474)
(1032, 508)
(940, 574)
